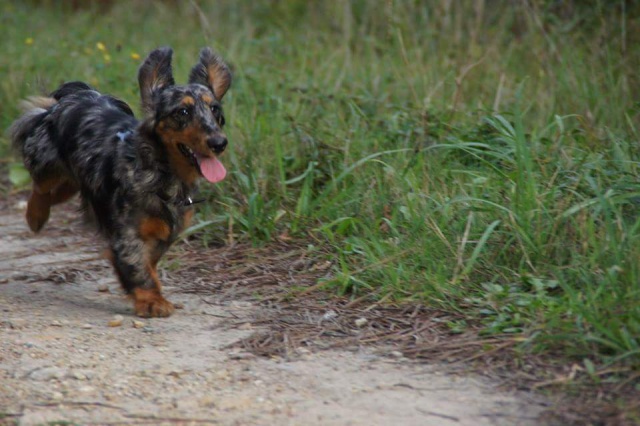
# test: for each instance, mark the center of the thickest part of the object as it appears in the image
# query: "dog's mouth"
(209, 167)
(189, 154)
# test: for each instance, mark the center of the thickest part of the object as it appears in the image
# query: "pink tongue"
(212, 169)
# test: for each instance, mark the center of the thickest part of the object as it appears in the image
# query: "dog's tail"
(35, 110)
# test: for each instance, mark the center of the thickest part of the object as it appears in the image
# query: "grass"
(482, 160)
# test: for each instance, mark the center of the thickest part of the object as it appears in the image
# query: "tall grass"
(478, 157)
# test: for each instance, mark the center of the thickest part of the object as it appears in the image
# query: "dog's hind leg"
(38, 209)
(45, 194)
(63, 192)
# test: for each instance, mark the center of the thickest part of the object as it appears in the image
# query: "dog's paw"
(157, 309)
(37, 212)
(150, 303)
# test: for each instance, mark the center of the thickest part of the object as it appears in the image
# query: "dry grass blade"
(296, 315)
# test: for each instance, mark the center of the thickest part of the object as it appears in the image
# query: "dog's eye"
(182, 116)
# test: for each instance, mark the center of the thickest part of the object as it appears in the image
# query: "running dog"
(135, 178)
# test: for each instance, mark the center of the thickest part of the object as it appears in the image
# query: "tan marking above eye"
(188, 100)
(208, 99)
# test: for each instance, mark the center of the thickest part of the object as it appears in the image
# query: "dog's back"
(69, 142)
(67, 133)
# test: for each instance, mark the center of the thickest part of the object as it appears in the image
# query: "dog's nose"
(217, 143)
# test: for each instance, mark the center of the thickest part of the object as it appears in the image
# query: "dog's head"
(188, 119)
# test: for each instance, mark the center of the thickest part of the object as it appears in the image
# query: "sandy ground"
(60, 360)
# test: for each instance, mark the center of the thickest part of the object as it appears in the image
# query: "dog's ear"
(212, 72)
(154, 75)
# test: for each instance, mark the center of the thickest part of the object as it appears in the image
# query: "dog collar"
(190, 201)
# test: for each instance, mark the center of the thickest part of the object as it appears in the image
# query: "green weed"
(480, 160)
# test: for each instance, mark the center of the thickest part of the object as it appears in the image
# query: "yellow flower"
(28, 41)
(101, 47)
(135, 56)
(107, 57)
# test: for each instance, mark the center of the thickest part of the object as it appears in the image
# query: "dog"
(135, 178)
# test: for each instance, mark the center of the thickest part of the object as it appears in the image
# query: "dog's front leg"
(134, 259)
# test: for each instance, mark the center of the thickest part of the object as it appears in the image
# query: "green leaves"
(18, 175)
(515, 204)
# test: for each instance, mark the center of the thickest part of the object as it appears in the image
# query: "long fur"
(134, 177)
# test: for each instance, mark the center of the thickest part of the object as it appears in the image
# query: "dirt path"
(61, 361)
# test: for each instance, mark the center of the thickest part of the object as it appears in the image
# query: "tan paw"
(150, 303)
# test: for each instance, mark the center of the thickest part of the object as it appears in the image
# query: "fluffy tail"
(36, 108)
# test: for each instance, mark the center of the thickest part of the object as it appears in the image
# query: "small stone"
(87, 389)
(47, 373)
(396, 354)
(208, 401)
(361, 322)
(103, 288)
(86, 326)
(55, 323)
(321, 266)
(245, 326)
(57, 396)
(138, 324)
(17, 323)
(241, 355)
(303, 351)
(78, 375)
(116, 321)
(329, 315)
(178, 305)
(222, 375)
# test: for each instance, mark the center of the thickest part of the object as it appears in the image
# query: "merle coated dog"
(135, 178)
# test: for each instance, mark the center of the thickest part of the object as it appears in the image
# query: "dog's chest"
(181, 215)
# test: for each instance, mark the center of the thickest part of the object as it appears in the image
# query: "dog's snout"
(217, 143)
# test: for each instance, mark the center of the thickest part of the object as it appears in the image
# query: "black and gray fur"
(134, 177)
